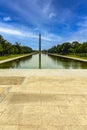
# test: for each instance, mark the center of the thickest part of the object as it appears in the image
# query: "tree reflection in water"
(44, 61)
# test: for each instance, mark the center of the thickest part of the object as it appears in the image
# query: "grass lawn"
(76, 56)
(10, 56)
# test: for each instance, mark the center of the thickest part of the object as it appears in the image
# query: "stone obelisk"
(39, 43)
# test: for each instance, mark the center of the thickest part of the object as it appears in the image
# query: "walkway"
(43, 99)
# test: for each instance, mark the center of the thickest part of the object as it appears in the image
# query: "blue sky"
(57, 20)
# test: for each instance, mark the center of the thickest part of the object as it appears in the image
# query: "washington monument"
(40, 43)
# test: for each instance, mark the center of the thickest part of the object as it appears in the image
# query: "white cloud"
(36, 29)
(40, 10)
(82, 22)
(51, 15)
(10, 31)
(81, 34)
(28, 36)
(46, 8)
(46, 37)
(7, 18)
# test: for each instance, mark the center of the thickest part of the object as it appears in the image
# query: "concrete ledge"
(43, 72)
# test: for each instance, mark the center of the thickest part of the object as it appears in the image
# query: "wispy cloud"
(10, 31)
(51, 15)
(28, 34)
(46, 8)
(81, 33)
(6, 19)
(82, 23)
(36, 12)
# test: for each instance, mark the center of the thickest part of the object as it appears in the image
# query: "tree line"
(69, 48)
(7, 48)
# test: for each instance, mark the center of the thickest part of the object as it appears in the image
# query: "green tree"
(65, 47)
(53, 50)
(71, 51)
(18, 45)
(7, 48)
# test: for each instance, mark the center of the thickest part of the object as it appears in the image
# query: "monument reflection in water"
(39, 60)
(39, 51)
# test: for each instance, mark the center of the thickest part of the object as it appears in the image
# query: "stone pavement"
(43, 99)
